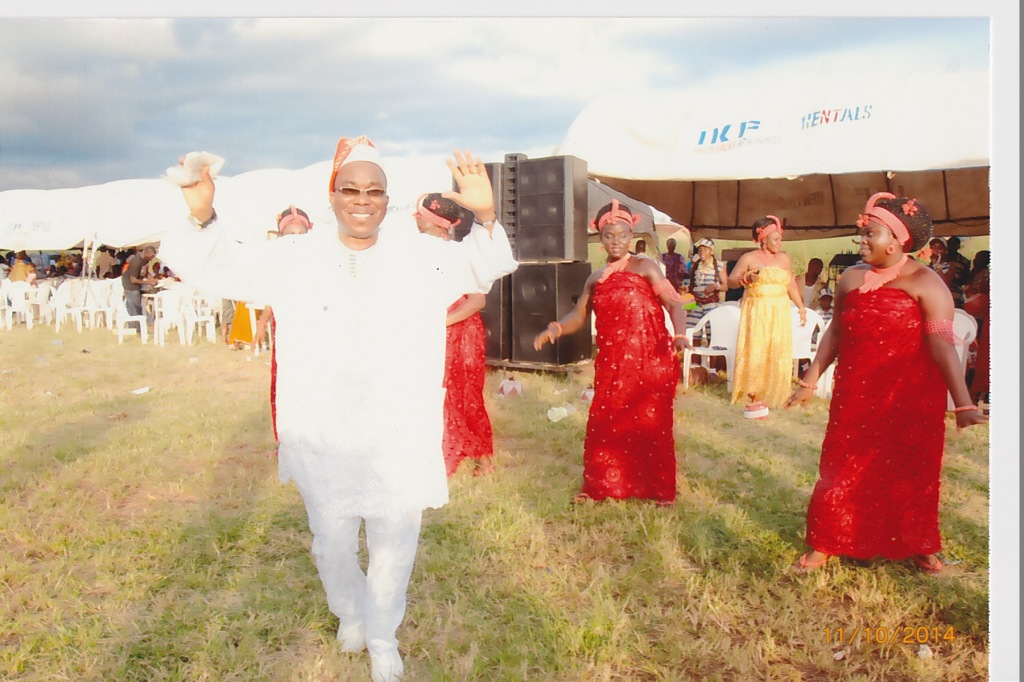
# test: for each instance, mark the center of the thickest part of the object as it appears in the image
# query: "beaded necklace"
(876, 277)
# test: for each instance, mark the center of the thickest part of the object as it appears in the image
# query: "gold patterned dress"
(764, 348)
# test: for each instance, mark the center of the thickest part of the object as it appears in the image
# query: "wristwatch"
(199, 226)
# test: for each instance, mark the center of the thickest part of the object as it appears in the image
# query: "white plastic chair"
(169, 312)
(18, 304)
(43, 292)
(724, 321)
(122, 317)
(4, 283)
(805, 343)
(97, 302)
(207, 315)
(64, 306)
(825, 380)
(964, 327)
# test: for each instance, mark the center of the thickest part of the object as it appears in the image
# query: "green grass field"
(145, 537)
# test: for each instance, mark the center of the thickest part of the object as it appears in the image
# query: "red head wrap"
(356, 149)
(427, 213)
(886, 217)
(615, 215)
(762, 232)
(292, 216)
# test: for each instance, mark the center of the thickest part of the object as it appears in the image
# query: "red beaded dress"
(878, 487)
(629, 449)
(467, 428)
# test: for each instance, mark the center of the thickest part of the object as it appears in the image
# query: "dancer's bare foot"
(484, 466)
(929, 563)
(809, 561)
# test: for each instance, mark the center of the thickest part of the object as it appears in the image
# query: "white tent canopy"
(138, 211)
(809, 145)
(43, 220)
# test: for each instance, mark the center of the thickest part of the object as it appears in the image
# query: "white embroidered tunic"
(360, 344)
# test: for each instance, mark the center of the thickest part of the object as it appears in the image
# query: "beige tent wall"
(815, 206)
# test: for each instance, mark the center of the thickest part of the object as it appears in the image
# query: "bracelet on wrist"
(964, 408)
(804, 384)
(201, 225)
(557, 327)
(679, 336)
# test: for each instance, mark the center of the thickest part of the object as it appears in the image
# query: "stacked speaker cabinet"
(542, 293)
(497, 319)
(542, 204)
(551, 209)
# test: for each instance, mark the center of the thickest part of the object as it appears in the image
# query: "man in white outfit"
(360, 442)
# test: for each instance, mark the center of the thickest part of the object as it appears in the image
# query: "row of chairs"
(718, 331)
(92, 303)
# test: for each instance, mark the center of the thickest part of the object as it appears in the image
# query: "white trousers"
(370, 604)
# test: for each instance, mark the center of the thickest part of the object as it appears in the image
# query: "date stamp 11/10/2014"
(904, 634)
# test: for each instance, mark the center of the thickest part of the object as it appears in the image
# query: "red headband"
(763, 232)
(615, 215)
(888, 218)
(292, 216)
(433, 218)
(344, 148)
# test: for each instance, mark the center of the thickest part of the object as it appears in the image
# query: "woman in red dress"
(629, 450)
(878, 487)
(290, 221)
(467, 428)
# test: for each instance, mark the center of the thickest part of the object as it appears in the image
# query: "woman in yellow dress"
(764, 348)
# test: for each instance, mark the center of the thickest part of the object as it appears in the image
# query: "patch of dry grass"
(145, 537)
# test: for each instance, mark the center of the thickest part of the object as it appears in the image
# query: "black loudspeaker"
(542, 293)
(551, 209)
(497, 319)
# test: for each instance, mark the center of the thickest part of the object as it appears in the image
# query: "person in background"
(640, 248)
(824, 304)
(105, 263)
(978, 305)
(123, 257)
(19, 269)
(360, 350)
(134, 278)
(951, 271)
(675, 265)
(629, 451)
(733, 293)
(707, 281)
(764, 347)
(811, 283)
(467, 428)
(290, 222)
(961, 271)
(878, 488)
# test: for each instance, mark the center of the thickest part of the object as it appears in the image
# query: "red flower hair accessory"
(910, 207)
(427, 213)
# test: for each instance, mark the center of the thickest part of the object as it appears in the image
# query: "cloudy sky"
(89, 100)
